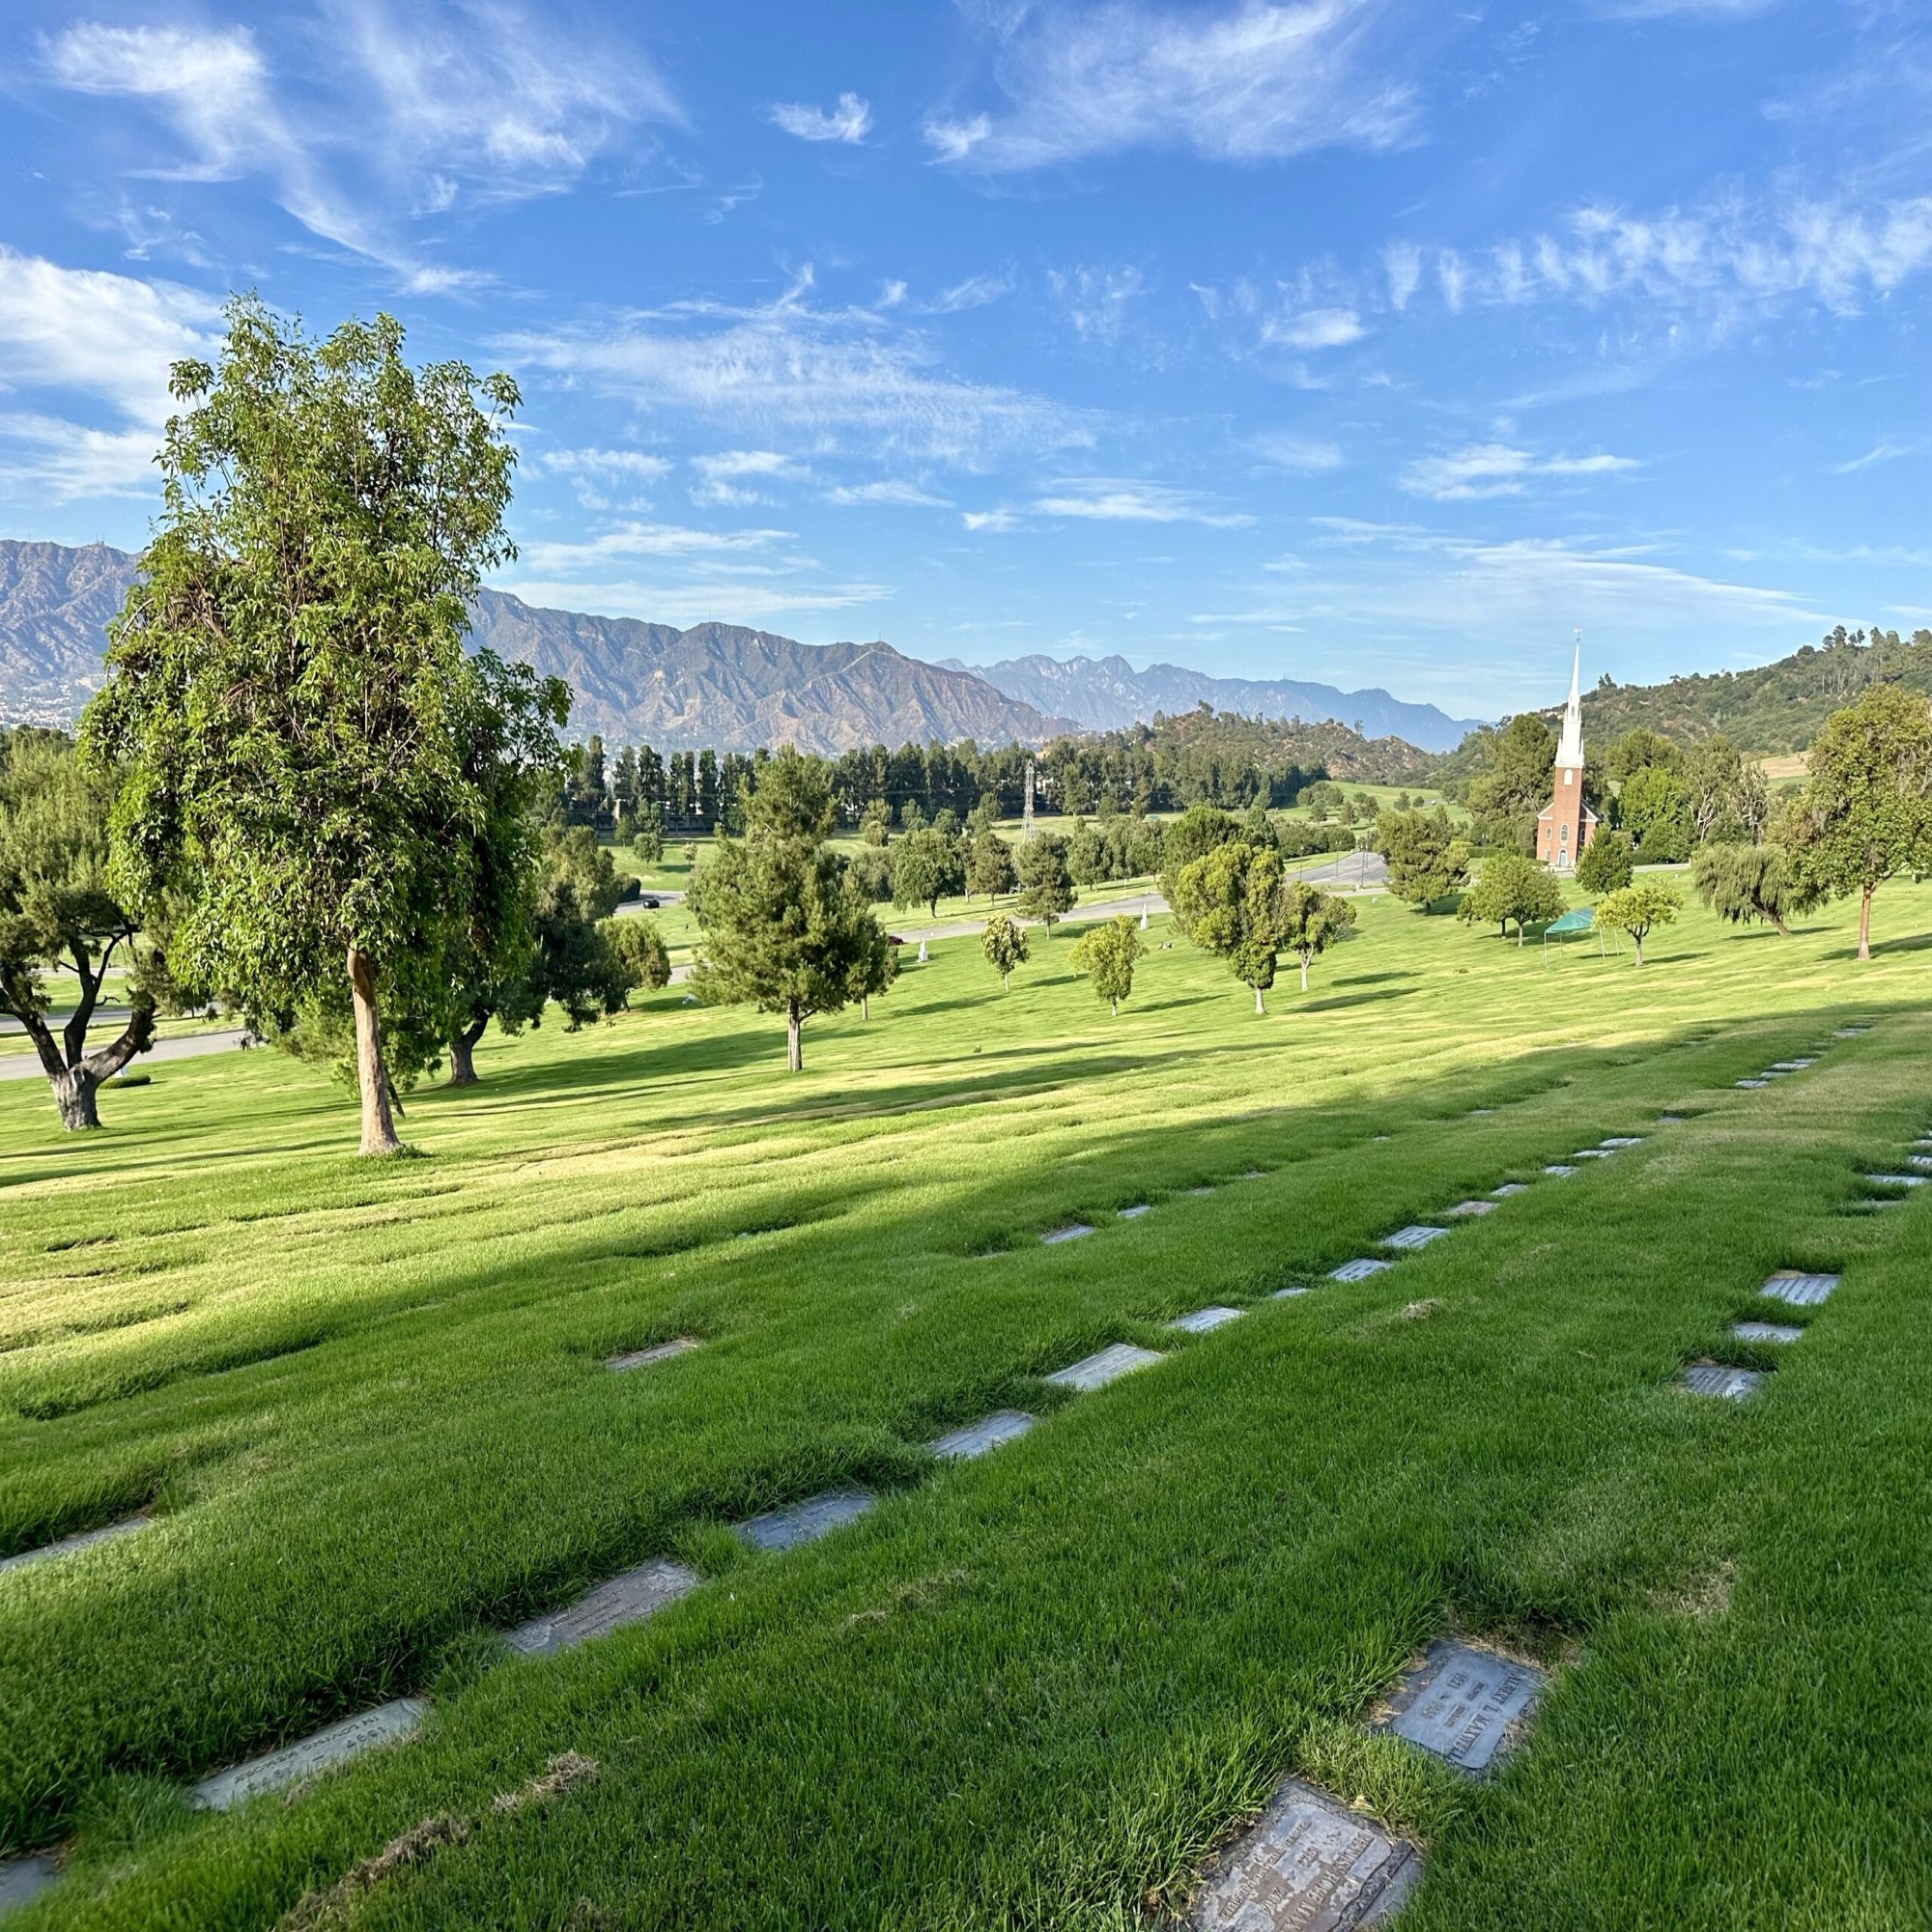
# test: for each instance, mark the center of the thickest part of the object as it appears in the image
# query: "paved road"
(189, 1046)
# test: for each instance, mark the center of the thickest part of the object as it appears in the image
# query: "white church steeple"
(1569, 748)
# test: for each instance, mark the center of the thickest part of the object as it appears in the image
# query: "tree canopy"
(286, 678)
(1638, 908)
(1746, 885)
(926, 867)
(1605, 863)
(1511, 889)
(1867, 809)
(1046, 886)
(1426, 859)
(1312, 920)
(1231, 901)
(1106, 954)
(58, 915)
(782, 931)
(1005, 945)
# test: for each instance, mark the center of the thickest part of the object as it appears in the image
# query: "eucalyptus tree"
(284, 680)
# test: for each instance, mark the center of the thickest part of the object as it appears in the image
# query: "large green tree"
(1744, 885)
(1005, 945)
(1046, 886)
(1511, 889)
(782, 931)
(1638, 908)
(927, 865)
(58, 916)
(1107, 954)
(1656, 807)
(284, 679)
(1312, 920)
(1230, 901)
(1426, 859)
(1517, 781)
(1865, 813)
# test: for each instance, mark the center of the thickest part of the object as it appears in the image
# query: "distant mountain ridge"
(1107, 694)
(720, 685)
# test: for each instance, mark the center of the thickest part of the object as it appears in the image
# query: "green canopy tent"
(1568, 925)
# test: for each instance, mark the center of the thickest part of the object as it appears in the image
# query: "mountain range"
(1108, 694)
(719, 685)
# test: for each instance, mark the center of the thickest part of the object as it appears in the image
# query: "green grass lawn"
(369, 1408)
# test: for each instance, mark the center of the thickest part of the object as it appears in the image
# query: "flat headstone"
(1310, 1865)
(807, 1522)
(1592, 1154)
(1105, 1365)
(1287, 1293)
(1198, 1192)
(23, 1880)
(1417, 1234)
(1919, 1162)
(1379, 1137)
(1613, 1142)
(1255, 1173)
(1071, 1233)
(1461, 1702)
(1753, 1083)
(1475, 1113)
(662, 1351)
(1509, 1187)
(386, 1723)
(68, 1545)
(1358, 1270)
(1791, 1066)
(1559, 1170)
(980, 1438)
(1464, 1209)
(1714, 1379)
(1766, 1331)
(1896, 1179)
(1923, 1141)
(1670, 1119)
(628, 1598)
(1848, 1032)
(1134, 1213)
(1201, 1320)
(1799, 1290)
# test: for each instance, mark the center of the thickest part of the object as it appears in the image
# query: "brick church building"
(1566, 826)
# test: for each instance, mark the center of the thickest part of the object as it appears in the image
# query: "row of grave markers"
(1310, 1863)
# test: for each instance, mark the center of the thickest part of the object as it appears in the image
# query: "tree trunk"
(462, 1062)
(794, 1052)
(379, 1125)
(1637, 940)
(1114, 1008)
(1259, 1007)
(1304, 972)
(74, 1095)
(865, 1005)
(1864, 923)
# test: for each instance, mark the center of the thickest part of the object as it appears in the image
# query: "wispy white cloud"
(379, 119)
(1118, 500)
(1888, 449)
(1286, 451)
(996, 522)
(888, 491)
(1248, 82)
(1098, 302)
(974, 292)
(1313, 329)
(1402, 262)
(849, 122)
(788, 367)
(732, 477)
(82, 339)
(604, 479)
(1497, 469)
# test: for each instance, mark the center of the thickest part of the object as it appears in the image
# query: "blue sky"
(1345, 340)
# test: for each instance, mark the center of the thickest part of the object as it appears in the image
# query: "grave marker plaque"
(1071, 1233)
(1417, 1234)
(1896, 1179)
(1463, 1703)
(1509, 1187)
(1134, 1213)
(1104, 1365)
(1799, 1290)
(68, 1545)
(1358, 1270)
(1753, 1083)
(1919, 1162)
(662, 1352)
(628, 1598)
(386, 1723)
(1287, 1293)
(1200, 1192)
(1715, 1379)
(1670, 1119)
(1466, 1209)
(1204, 1320)
(1310, 1865)
(22, 1879)
(1559, 1170)
(1613, 1142)
(981, 1437)
(1765, 1331)
(807, 1522)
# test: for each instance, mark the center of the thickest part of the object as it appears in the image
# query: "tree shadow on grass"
(1336, 1001)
